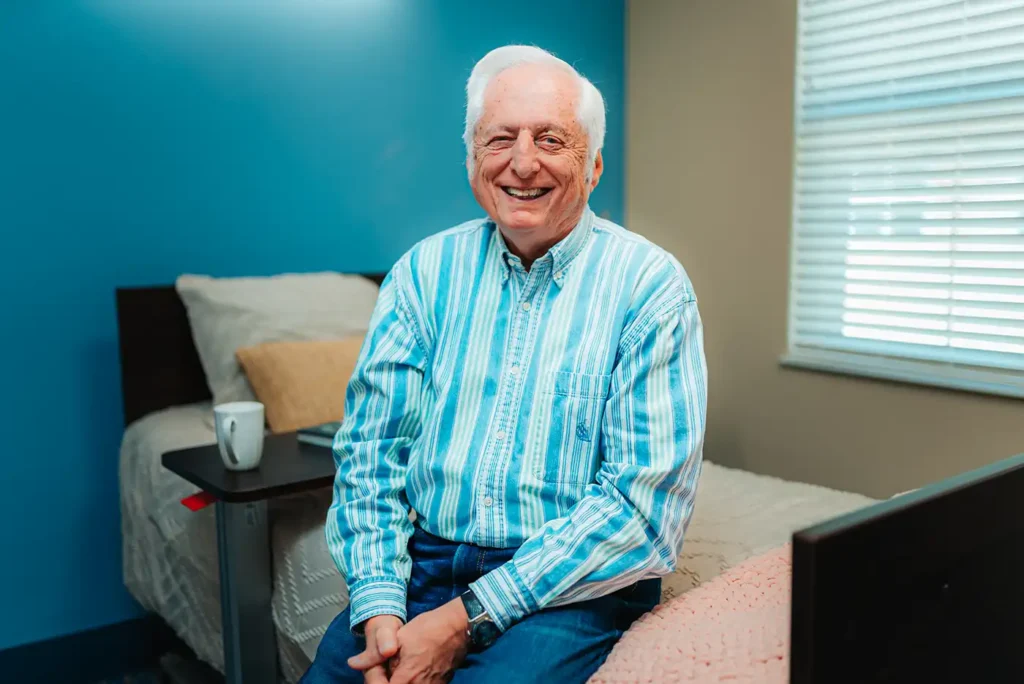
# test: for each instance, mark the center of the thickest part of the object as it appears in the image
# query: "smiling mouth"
(525, 193)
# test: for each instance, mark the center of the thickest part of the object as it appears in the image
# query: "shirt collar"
(559, 256)
(571, 245)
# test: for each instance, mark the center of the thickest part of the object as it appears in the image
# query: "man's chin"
(522, 219)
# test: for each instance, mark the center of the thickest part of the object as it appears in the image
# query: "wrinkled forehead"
(531, 95)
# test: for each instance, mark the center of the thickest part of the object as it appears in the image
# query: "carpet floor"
(137, 678)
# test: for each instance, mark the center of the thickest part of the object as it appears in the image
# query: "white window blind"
(908, 212)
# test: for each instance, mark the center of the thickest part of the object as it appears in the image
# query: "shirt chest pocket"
(569, 447)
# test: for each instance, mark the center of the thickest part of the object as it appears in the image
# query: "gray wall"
(710, 108)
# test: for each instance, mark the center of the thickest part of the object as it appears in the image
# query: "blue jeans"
(564, 645)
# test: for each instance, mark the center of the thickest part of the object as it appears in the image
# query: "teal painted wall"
(139, 140)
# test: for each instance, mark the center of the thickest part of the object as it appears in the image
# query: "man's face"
(530, 153)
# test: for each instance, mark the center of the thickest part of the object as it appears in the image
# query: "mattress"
(739, 514)
(170, 553)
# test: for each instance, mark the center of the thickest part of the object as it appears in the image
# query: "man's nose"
(524, 156)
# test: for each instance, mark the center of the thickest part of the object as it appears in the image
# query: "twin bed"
(170, 552)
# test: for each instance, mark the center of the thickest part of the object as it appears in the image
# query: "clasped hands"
(425, 651)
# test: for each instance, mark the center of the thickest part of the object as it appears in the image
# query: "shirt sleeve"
(368, 526)
(630, 523)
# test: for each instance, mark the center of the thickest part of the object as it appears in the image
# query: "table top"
(288, 466)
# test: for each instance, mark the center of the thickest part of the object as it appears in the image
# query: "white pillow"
(228, 313)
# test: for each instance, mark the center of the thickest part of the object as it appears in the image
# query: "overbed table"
(288, 466)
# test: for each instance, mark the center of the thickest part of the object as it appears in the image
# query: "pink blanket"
(733, 628)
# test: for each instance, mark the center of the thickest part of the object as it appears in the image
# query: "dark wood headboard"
(159, 363)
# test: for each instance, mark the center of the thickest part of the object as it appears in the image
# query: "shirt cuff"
(504, 596)
(375, 596)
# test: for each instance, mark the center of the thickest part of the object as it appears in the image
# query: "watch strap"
(482, 630)
(474, 609)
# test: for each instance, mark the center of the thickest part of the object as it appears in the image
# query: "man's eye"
(500, 139)
(549, 140)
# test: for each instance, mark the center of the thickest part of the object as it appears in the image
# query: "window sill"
(1004, 384)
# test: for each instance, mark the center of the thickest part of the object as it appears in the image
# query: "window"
(908, 206)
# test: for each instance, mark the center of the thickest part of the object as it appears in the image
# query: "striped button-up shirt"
(558, 410)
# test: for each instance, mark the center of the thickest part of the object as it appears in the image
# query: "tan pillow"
(301, 383)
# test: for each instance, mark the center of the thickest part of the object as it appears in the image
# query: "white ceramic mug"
(240, 433)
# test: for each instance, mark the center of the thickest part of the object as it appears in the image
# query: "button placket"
(491, 508)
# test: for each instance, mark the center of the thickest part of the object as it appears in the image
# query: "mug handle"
(228, 426)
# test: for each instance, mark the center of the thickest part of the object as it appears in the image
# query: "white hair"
(590, 109)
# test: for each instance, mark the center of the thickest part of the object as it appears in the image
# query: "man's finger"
(387, 644)
(365, 660)
(370, 657)
(375, 675)
(401, 675)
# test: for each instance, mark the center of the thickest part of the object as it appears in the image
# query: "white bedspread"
(739, 514)
(170, 553)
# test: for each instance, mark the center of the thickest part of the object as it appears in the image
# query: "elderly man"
(532, 392)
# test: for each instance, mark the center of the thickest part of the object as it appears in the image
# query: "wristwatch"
(482, 631)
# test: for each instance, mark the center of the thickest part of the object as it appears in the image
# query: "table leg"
(243, 543)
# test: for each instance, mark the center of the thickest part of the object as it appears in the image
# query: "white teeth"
(532, 192)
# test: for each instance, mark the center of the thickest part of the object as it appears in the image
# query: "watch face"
(485, 633)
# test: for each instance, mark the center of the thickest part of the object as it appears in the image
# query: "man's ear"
(598, 169)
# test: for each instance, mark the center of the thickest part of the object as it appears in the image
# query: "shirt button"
(526, 306)
(488, 501)
(514, 370)
(558, 274)
(499, 435)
